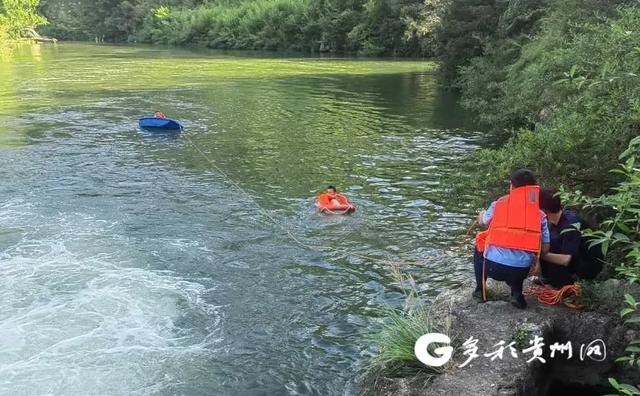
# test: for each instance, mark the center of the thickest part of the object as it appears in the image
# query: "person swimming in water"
(333, 193)
(331, 202)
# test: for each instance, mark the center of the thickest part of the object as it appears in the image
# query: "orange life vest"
(515, 223)
(326, 201)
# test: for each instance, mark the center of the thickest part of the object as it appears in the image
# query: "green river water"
(130, 265)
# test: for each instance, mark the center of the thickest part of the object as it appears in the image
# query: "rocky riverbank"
(585, 371)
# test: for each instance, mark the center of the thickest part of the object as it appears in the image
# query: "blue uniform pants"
(512, 276)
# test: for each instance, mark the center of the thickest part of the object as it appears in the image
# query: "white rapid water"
(77, 321)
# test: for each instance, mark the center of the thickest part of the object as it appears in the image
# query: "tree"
(466, 28)
(20, 18)
(375, 27)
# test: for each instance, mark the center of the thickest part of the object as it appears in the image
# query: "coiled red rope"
(568, 295)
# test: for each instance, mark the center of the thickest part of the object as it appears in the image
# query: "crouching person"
(517, 234)
(571, 255)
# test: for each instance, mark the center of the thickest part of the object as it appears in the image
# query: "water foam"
(84, 321)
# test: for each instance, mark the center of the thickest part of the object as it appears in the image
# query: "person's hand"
(480, 219)
(535, 268)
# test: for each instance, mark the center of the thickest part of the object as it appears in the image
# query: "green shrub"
(581, 101)
(248, 25)
(5, 40)
(4, 29)
(619, 234)
(465, 29)
(18, 18)
(619, 238)
(370, 27)
(521, 336)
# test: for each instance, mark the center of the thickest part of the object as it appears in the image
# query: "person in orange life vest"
(333, 195)
(159, 114)
(517, 233)
(332, 200)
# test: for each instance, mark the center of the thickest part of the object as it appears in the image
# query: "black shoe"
(477, 294)
(518, 302)
(540, 281)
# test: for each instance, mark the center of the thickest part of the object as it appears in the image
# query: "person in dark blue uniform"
(570, 255)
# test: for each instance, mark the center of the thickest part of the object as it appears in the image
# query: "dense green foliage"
(5, 36)
(398, 27)
(570, 93)
(619, 233)
(18, 18)
(372, 27)
(465, 30)
(110, 20)
(254, 25)
(456, 30)
(619, 237)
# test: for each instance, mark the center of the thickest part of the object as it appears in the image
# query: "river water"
(132, 265)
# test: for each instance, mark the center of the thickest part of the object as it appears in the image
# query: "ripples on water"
(78, 318)
(129, 266)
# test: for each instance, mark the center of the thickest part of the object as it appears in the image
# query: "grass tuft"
(396, 340)
(400, 329)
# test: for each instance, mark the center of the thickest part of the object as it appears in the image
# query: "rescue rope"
(568, 295)
(235, 185)
(390, 261)
(271, 218)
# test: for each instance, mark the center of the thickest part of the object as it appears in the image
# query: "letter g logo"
(443, 353)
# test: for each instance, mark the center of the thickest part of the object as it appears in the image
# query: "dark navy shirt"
(567, 242)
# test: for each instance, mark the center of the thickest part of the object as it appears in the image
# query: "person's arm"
(535, 268)
(484, 217)
(557, 258)
(481, 217)
(346, 201)
(545, 236)
(570, 247)
(544, 250)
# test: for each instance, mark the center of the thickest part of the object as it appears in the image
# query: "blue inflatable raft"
(152, 123)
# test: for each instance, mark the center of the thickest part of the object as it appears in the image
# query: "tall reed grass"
(400, 329)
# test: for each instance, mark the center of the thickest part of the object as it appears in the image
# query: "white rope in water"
(293, 237)
(268, 215)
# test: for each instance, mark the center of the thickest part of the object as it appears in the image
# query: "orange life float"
(334, 204)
